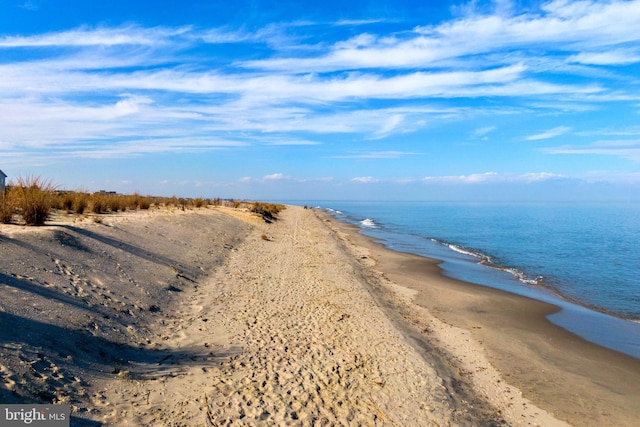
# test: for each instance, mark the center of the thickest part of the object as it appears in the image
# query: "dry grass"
(31, 200)
(269, 211)
(6, 209)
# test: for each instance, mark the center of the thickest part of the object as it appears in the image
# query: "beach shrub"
(143, 202)
(65, 201)
(268, 211)
(199, 202)
(34, 198)
(70, 201)
(80, 202)
(6, 213)
(98, 203)
(115, 203)
(175, 201)
(7, 206)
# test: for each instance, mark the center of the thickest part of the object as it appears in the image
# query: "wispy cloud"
(378, 155)
(493, 177)
(356, 22)
(275, 177)
(483, 131)
(610, 57)
(392, 123)
(551, 133)
(569, 25)
(365, 180)
(128, 35)
(626, 148)
(127, 90)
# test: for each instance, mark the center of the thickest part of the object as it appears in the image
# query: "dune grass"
(32, 200)
(31, 197)
(269, 211)
(6, 209)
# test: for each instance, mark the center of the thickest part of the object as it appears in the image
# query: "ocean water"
(584, 258)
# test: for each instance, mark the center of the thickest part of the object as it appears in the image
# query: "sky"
(334, 100)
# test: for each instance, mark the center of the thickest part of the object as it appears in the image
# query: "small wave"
(467, 252)
(369, 223)
(334, 211)
(523, 277)
(486, 260)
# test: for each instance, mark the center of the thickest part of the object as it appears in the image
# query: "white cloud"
(98, 91)
(128, 148)
(466, 179)
(492, 177)
(551, 133)
(274, 177)
(626, 148)
(365, 180)
(273, 34)
(609, 57)
(567, 25)
(128, 35)
(617, 131)
(483, 131)
(275, 89)
(289, 141)
(355, 22)
(390, 125)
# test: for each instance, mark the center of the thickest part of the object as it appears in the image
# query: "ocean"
(581, 257)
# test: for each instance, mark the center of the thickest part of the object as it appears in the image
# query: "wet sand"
(580, 382)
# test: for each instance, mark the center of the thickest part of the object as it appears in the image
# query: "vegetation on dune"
(31, 201)
(31, 197)
(269, 211)
(6, 209)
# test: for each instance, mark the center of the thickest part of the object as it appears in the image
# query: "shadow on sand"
(59, 358)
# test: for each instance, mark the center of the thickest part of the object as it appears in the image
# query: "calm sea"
(582, 257)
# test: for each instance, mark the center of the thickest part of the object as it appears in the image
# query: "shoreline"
(212, 316)
(606, 329)
(579, 381)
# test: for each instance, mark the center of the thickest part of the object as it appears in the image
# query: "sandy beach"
(214, 317)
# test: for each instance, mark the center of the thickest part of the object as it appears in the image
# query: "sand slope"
(204, 318)
(82, 303)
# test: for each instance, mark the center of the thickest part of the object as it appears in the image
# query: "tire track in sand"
(317, 349)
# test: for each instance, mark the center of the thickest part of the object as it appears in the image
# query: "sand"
(213, 317)
(580, 382)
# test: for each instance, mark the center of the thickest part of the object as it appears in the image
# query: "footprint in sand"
(74, 280)
(6, 378)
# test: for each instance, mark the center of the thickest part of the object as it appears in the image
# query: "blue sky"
(502, 100)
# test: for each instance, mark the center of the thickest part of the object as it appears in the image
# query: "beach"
(214, 317)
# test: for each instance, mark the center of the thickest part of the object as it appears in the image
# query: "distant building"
(2, 177)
